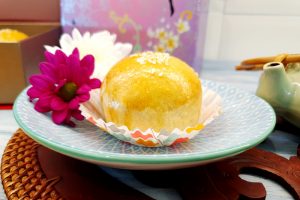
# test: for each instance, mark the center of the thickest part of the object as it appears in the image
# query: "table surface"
(282, 143)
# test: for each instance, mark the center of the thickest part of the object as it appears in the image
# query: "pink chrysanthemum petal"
(41, 109)
(59, 116)
(50, 57)
(77, 115)
(94, 83)
(76, 74)
(75, 53)
(88, 63)
(45, 100)
(83, 89)
(68, 118)
(49, 69)
(58, 104)
(64, 72)
(43, 104)
(83, 97)
(41, 82)
(70, 123)
(33, 93)
(60, 84)
(74, 104)
(60, 57)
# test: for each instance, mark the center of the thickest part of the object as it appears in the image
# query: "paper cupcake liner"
(211, 109)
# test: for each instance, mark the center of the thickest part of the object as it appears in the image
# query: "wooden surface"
(282, 141)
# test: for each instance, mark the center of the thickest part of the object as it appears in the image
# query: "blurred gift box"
(39, 20)
(173, 26)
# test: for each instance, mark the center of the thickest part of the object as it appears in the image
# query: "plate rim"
(146, 159)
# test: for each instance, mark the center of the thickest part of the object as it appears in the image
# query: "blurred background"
(223, 31)
(240, 29)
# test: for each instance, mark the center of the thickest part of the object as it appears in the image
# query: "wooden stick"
(253, 61)
(280, 58)
(250, 67)
(262, 60)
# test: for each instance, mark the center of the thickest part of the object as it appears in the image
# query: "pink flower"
(63, 84)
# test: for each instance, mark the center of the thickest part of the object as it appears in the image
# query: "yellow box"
(19, 60)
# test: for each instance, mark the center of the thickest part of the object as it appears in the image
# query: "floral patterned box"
(173, 26)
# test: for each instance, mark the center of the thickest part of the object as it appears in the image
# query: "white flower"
(161, 34)
(150, 33)
(171, 42)
(182, 26)
(100, 44)
(159, 48)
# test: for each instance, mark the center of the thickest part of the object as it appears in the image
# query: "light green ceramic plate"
(245, 122)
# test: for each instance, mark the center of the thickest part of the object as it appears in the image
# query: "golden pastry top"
(11, 35)
(152, 80)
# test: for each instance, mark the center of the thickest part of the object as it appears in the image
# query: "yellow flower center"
(171, 43)
(68, 91)
(181, 27)
(162, 35)
(160, 49)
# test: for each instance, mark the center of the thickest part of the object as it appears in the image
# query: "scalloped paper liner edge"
(211, 109)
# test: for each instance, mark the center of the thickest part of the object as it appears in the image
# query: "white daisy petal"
(124, 48)
(51, 49)
(76, 34)
(86, 35)
(65, 40)
(100, 44)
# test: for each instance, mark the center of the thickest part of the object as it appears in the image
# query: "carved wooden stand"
(60, 177)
